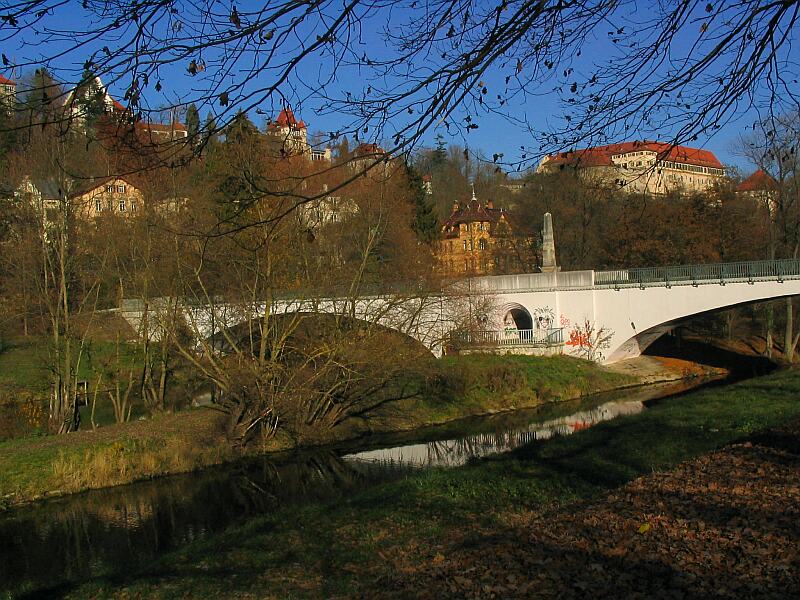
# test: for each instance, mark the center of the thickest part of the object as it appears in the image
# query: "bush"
(504, 379)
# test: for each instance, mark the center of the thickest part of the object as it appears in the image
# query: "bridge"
(605, 316)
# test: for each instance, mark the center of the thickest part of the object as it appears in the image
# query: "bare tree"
(685, 64)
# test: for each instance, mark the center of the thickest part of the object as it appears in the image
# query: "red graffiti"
(578, 339)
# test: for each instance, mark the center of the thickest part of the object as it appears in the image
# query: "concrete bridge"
(605, 316)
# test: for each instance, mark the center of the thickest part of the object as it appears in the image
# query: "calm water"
(53, 543)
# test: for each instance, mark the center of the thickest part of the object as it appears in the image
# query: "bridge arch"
(638, 317)
(516, 316)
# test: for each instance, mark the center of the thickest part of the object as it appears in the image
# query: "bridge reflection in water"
(457, 452)
(50, 545)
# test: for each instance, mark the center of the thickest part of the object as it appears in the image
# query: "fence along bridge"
(601, 315)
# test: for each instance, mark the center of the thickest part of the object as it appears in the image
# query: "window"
(482, 244)
(480, 226)
(121, 189)
(465, 244)
(109, 189)
(470, 245)
(122, 205)
(133, 205)
(98, 206)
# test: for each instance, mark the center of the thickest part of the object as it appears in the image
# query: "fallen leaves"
(725, 525)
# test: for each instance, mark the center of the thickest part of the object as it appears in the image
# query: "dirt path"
(726, 525)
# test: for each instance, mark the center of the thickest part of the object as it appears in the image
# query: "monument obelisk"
(548, 246)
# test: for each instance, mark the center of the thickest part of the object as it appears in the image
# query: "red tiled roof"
(168, 128)
(118, 106)
(286, 118)
(601, 155)
(6, 81)
(366, 149)
(760, 181)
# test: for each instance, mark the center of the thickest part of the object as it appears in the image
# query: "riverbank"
(646, 504)
(41, 467)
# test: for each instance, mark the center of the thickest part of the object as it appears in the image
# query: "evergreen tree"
(210, 135)
(90, 100)
(41, 95)
(439, 154)
(193, 123)
(425, 223)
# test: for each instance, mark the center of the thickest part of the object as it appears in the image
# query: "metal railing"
(510, 337)
(750, 271)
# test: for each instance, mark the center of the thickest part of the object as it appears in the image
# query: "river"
(55, 543)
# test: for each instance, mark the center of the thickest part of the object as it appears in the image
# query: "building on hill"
(760, 186)
(159, 133)
(43, 195)
(8, 93)
(479, 239)
(115, 119)
(292, 137)
(108, 196)
(641, 167)
(366, 156)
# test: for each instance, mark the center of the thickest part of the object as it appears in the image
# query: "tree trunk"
(769, 317)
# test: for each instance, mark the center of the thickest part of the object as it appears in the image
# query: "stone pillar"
(548, 246)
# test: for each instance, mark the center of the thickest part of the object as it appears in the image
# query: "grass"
(465, 386)
(343, 548)
(461, 386)
(24, 363)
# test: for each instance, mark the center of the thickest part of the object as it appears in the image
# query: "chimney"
(548, 246)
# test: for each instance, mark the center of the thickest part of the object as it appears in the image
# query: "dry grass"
(131, 460)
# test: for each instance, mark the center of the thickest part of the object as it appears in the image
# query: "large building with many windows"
(641, 167)
(8, 92)
(291, 135)
(478, 239)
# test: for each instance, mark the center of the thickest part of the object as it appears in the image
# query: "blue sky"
(494, 134)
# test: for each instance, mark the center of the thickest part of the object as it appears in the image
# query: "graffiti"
(588, 341)
(577, 339)
(564, 321)
(543, 318)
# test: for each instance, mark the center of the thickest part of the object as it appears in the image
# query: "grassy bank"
(458, 387)
(350, 548)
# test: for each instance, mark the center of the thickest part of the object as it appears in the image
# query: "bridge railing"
(777, 270)
(509, 337)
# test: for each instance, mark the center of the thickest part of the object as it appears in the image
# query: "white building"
(642, 167)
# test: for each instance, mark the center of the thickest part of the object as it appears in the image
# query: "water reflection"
(457, 452)
(110, 531)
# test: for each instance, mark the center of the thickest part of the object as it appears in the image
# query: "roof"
(473, 212)
(6, 81)
(760, 181)
(367, 149)
(165, 127)
(598, 156)
(87, 186)
(286, 118)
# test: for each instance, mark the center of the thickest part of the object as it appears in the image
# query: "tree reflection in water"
(110, 531)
